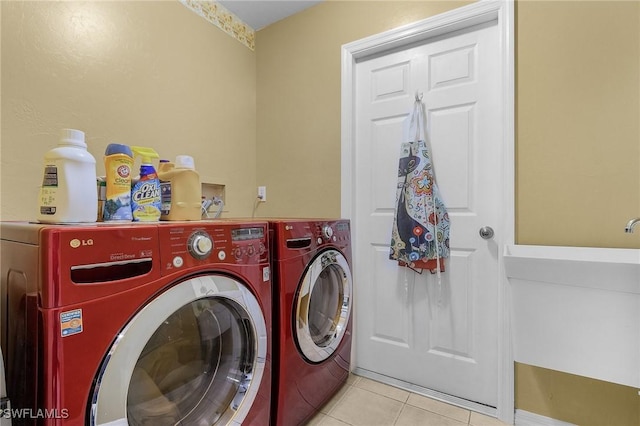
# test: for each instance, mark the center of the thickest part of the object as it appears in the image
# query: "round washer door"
(194, 355)
(323, 306)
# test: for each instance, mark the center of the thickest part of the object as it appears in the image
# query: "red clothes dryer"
(137, 324)
(312, 288)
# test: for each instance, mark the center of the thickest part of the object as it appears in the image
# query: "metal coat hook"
(419, 96)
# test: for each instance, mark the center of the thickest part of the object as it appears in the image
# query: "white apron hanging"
(420, 234)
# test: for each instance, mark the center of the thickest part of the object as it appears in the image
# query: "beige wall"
(578, 109)
(299, 98)
(141, 73)
(575, 399)
(578, 125)
(121, 71)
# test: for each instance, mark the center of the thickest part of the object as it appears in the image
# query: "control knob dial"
(327, 232)
(200, 245)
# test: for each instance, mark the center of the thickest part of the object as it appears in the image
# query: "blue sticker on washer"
(71, 322)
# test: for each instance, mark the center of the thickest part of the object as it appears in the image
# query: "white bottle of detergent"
(69, 193)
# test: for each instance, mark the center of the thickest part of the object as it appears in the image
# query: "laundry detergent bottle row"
(181, 189)
(145, 193)
(69, 193)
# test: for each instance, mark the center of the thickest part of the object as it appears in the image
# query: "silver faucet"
(632, 223)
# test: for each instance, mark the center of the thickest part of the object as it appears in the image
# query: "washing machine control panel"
(187, 245)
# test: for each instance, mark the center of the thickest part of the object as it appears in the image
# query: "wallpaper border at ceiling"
(219, 16)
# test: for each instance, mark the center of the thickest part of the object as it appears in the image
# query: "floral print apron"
(420, 234)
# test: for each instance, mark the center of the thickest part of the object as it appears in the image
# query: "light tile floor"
(365, 402)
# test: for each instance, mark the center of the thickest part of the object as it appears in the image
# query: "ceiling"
(261, 13)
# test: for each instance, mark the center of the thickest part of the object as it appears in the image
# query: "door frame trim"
(457, 19)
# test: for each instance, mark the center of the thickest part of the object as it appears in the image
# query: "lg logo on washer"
(75, 243)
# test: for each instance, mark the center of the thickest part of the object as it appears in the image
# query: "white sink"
(600, 268)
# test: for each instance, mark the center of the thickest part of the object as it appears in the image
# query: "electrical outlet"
(262, 193)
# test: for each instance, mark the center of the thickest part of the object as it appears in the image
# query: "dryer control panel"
(293, 236)
(333, 232)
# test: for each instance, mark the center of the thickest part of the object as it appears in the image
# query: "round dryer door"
(194, 355)
(323, 306)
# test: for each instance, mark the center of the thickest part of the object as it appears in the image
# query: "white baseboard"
(525, 418)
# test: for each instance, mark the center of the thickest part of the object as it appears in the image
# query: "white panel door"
(441, 336)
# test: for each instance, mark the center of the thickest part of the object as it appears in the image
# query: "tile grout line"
(368, 391)
(328, 414)
(404, 404)
(380, 392)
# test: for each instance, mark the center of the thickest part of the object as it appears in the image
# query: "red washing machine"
(137, 324)
(312, 288)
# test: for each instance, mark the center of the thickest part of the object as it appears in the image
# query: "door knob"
(486, 232)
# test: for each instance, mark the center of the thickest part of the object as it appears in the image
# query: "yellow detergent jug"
(181, 189)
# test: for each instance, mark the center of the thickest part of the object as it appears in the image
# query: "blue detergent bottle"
(146, 202)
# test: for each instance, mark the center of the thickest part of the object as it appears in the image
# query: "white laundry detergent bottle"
(69, 193)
